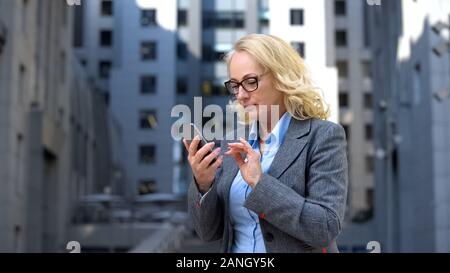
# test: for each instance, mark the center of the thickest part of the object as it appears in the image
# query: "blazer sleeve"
(207, 216)
(317, 218)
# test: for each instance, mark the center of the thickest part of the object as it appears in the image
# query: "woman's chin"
(251, 112)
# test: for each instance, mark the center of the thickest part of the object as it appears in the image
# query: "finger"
(238, 147)
(203, 151)
(193, 146)
(218, 162)
(248, 149)
(233, 150)
(238, 158)
(209, 158)
(236, 153)
(247, 145)
(241, 148)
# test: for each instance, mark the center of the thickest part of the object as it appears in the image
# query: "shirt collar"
(276, 137)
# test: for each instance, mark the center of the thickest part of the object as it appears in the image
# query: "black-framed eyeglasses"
(249, 84)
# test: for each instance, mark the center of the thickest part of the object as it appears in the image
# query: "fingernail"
(217, 150)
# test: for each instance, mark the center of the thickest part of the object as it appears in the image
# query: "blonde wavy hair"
(291, 76)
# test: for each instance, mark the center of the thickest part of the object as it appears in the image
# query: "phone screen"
(196, 132)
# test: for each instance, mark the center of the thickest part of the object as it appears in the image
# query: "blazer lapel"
(292, 146)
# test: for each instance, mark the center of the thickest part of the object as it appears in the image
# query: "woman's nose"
(242, 94)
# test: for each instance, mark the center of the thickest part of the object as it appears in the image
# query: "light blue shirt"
(247, 232)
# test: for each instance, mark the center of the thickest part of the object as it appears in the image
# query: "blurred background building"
(54, 136)
(412, 124)
(147, 56)
(353, 60)
(86, 93)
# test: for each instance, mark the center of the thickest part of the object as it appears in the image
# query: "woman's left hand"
(250, 166)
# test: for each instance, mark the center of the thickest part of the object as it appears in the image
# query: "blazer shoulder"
(324, 125)
(324, 130)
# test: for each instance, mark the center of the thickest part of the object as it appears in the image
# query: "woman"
(285, 189)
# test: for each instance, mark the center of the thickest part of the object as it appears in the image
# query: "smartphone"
(196, 132)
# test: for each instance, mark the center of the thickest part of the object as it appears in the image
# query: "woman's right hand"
(204, 173)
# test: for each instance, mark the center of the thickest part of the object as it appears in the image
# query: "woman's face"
(243, 66)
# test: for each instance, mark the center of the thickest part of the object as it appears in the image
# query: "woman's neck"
(264, 131)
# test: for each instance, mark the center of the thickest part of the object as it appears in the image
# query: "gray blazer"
(300, 201)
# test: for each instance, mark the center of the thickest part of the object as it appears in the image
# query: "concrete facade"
(316, 33)
(50, 149)
(123, 82)
(412, 125)
(355, 88)
(190, 37)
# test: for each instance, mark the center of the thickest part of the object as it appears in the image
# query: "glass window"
(368, 103)
(182, 17)
(342, 67)
(207, 88)
(147, 154)
(297, 17)
(299, 47)
(340, 7)
(21, 84)
(148, 84)
(148, 51)
(341, 38)
(182, 86)
(147, 186)
(104, 68)
(214, 53)
(223, 19)
(214, 87)
(368, 131)
(182, 50)
(147, 119)
(369, 198)
(148, 17)
(369, 164)
(366, 68)
(343, 99)
(106, 8)
(106, 38)
(264, 18)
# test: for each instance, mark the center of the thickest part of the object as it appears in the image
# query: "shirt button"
(269, 237)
